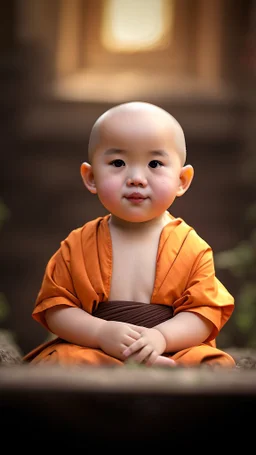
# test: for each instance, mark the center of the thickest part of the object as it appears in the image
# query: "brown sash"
(137, 313)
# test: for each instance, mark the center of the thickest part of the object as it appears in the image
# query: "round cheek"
(164, 189)
(108, 192)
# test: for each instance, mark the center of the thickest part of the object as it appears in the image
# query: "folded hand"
(114, 337)
(146, 348)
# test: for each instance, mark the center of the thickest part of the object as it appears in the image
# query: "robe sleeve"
(57, 286)
(205, 295)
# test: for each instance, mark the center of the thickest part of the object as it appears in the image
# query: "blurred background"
(63, 63)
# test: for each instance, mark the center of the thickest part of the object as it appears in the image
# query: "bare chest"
(133, 269)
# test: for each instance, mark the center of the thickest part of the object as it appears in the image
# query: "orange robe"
(79, 275)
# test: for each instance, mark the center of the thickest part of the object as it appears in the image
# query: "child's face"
(136, 167)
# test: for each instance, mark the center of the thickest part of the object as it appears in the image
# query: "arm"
(74, 325)
(181, 332)
(79, 327)
(184, 330)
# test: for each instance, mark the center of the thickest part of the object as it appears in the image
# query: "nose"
(136, 178)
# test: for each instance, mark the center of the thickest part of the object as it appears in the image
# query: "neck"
(130, 226)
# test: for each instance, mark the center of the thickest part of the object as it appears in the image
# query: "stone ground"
(126, 408)
(245, 358)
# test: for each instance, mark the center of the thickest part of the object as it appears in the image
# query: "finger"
(134, 347)
(134, 334)
(124, 347)
(164, 362)
(151, 359)
(126, 344)
(128, 341)
(142, 355)
(137, 328)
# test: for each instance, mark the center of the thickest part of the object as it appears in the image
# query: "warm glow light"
(136, 25)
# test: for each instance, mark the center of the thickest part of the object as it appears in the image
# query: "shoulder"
(88, 229)
(188, 236)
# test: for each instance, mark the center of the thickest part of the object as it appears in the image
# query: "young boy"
(136, 285)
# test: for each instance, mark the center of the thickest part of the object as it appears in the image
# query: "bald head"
(129, 114)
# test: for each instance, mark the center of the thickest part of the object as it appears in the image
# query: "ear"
(186, 177)
(88, 177)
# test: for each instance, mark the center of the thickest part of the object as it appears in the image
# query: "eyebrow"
(113, 151)
(159, 153)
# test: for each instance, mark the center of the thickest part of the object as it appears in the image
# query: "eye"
(117, 163)
(155, 163)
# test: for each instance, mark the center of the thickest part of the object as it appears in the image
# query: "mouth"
(135, 197)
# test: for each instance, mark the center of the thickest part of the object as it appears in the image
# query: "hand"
(114, 337)
(146, 348)
(162, 361)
